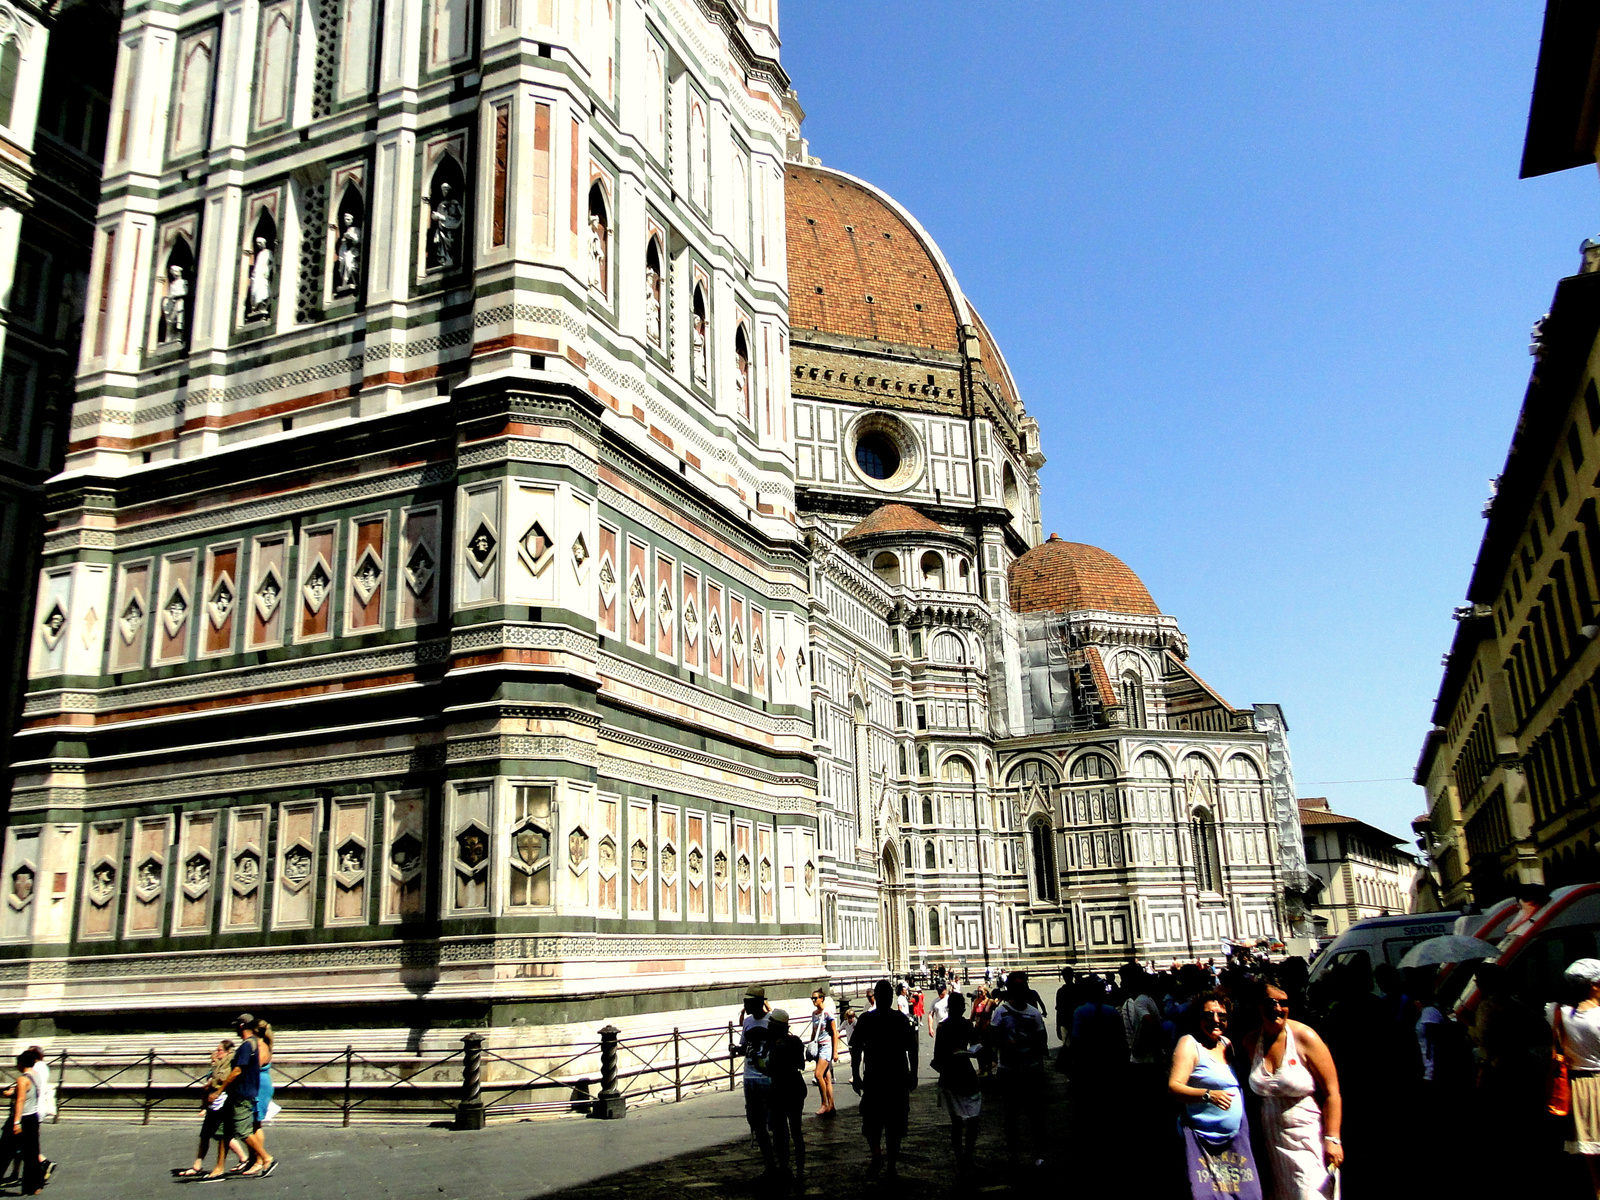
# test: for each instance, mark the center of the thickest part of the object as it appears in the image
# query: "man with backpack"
(1018, 1037)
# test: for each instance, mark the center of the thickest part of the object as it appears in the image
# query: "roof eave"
(1562, 117)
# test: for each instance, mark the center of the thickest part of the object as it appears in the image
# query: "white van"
(1382, 940)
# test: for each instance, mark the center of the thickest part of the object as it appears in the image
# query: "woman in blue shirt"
(1215, 1134)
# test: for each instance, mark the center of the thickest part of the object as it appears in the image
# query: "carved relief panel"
(299, 827)
(220, 600)
(721, 868)
(695, 865)
(467, 848)
(246, 869)
(176, 612)
(267, 599)
(369, 574)
(607, 854)
(147, 876)
(102, 880)
(349, 860)
(639, 859)
(405, 855)
(197, 873)
(608, 579)
(418, 588)
(314, 601)
(479, 535)
(20, 883)
(131, 622)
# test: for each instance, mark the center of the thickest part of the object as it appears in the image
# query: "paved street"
(700, 1147)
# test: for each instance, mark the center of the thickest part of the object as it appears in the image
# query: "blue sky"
(1265, 274)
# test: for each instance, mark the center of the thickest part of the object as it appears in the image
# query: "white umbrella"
(1451, 948)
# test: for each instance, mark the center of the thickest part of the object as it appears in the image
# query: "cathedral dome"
(892, 519)
(863, 271)
(1062, 576)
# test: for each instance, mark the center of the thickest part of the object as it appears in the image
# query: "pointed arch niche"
(346, 256)
(442, 233)
(172, 292)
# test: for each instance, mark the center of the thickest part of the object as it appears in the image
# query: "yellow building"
(1512, 762)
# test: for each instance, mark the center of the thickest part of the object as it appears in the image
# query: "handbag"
(1558, 1094)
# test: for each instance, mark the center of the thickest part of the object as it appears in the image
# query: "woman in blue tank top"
(1215, 1135)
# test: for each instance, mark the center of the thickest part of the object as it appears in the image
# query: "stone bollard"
(610, 1105)
(470, 1113)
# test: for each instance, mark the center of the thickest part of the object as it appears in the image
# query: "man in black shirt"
(883, 1071)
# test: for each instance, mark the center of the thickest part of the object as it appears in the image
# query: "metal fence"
(468, 1085)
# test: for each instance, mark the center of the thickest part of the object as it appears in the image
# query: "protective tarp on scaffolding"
(1270, 722)
(1054, 692)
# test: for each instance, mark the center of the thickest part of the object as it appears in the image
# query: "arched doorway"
(891, 925)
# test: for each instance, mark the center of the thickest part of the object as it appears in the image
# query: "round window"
(877, 455)
(883, 451)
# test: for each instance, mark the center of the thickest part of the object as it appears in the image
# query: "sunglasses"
(1283, 1004)
(1215, 1018)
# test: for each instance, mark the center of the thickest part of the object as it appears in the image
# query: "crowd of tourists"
(1234, 1080)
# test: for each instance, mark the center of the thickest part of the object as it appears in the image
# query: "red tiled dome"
(1061, 576)
(846, 245)
(892, 518)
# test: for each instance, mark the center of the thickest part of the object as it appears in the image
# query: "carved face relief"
(481, 547)
(22, 884)
(691, 621)
(742, 871)
(220, 605)
(131, 620)
(580, 553)
(419, 569)
(697, 863)
(369, 574)
(719, 868)
(55, 621)
(268, 594)
(175, 612)
(317, 586)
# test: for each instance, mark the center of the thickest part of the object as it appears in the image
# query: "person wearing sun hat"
(755, 1044)
(1576, 1027)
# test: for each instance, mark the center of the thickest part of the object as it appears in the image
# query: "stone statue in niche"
(597, 253)
(175, 307)
(258, 298)
(444, 230)
(697, 350)
(347, 256)
(652, 304)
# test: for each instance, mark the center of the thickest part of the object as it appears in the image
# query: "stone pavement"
(700, 1147)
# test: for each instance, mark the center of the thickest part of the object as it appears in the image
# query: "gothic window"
(886, 567)
(699, 162)
(191, 111)
(933, 571)
(1032, 771)
(653, 298)
(273, 63)
(905, 764)
(1046, 879)
(964, 574)
(451, 32)
(1207, 857)
(1093, 766)
(933, 927)
(946, 646)
(741, 371)
(655, 102)
(10, 64)
(930, 857)
(741, 203)
(531, 841)
(956, 769)
(927, 808)
(1133, 700)
(922, 752)
(599, 241)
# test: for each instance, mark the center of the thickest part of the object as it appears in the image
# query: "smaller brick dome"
(892, 518)
(1062, 576)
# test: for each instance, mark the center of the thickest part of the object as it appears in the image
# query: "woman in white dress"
(1293, 1073)
(1577, 1035)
